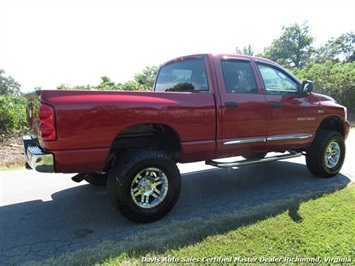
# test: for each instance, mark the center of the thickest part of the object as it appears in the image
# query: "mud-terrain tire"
(325, 156)
(96, 179)
(144, 185)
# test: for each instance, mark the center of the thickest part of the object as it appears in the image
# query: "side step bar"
(247, 162)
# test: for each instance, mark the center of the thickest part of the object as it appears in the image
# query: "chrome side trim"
(244, 141)
(290, 136)
(271, 138)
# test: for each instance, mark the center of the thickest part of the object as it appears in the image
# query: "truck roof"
(221, 55)
(229, 56)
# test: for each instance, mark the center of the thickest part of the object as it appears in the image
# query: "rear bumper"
(36, 158)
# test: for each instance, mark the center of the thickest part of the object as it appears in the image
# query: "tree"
(78, 88)
(131, 85)
(247, 50)
(106, 84)
(142, 82)
(346, 43)
(147, 77)
(341, 49)
(12, 113)
(334, 79)
(293, 48)
(8, 86)
(63, 87)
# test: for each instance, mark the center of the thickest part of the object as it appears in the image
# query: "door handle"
(275, 105)
(232, 104)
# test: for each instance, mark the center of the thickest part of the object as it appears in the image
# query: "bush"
(12, 114)
(334, 79)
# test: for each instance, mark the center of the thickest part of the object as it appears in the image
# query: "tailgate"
(36, 157)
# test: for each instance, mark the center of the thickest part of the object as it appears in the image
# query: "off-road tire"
(144, 185)
(325, 156)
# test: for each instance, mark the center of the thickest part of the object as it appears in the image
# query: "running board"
(79, 177)
(247, 162)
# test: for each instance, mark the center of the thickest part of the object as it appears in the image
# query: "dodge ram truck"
(204, 107)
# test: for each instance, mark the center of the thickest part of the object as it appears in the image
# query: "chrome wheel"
(149, 187)
(332, 155)
(326, 154)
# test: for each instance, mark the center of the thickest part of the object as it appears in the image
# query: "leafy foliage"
(147, 77)
(334, 79)
(13, 105)
(293, 48)
(341, 49)
(8, 86)
(247, 50)
(142, 82)
(12, 113)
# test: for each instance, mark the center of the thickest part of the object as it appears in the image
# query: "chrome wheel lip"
(332, 154)
(149, 187)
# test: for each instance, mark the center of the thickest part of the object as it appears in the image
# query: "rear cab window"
(238, 76)
(185, 76)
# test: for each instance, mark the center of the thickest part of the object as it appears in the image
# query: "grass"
(298, 231)
(12, 165)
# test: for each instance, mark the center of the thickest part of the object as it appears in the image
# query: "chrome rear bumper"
(36, 158)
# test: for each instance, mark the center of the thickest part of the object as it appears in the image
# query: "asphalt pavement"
(48, 215)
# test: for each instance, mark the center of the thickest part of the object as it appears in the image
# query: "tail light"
(47, 122)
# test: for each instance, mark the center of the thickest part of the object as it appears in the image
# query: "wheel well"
(332, 123)
(155, 136)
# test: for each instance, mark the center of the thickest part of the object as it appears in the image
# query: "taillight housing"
(47, 122)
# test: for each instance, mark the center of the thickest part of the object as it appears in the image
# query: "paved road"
(45, 215)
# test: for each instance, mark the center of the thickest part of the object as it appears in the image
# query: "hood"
(323, 97)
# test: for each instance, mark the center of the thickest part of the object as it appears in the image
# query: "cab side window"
(188, 75)
(276, 81)
(239, 77)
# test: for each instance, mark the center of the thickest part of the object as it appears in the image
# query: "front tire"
(326, 155)
(144, 185)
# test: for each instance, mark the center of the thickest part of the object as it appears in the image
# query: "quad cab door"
(291, 113)
(243, 109)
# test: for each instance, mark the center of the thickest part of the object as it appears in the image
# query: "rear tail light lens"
(47, 122)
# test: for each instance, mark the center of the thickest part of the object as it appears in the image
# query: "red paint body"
(87, 122)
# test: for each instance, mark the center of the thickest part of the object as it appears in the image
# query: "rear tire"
(144, 185)
(326, 155)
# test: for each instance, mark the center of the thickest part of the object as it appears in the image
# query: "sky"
(45, 43)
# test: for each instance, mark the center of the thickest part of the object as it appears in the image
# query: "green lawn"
(319, 230)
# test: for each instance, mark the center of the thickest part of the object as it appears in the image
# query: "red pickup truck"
(203, 107)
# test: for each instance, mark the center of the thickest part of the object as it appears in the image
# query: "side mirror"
(307, 86)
